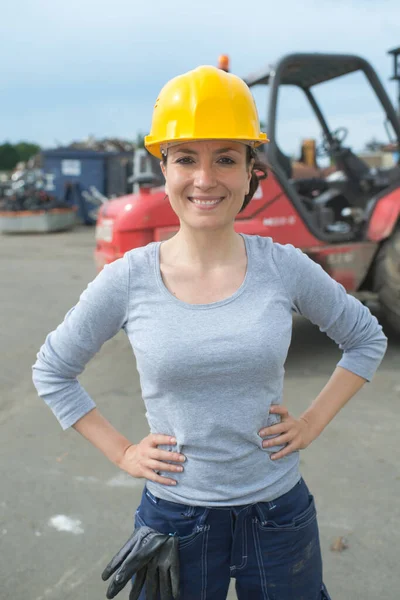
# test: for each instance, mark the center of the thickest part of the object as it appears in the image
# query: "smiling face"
(206, 182)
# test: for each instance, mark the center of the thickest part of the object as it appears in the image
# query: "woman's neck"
(203, 249)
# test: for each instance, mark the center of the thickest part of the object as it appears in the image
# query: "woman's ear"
(250, 175)
(164, 172)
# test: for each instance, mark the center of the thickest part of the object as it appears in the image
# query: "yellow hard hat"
(204, 104)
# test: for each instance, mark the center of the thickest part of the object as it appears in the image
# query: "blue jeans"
(271, 549)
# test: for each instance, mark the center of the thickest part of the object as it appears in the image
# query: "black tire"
(387, 282)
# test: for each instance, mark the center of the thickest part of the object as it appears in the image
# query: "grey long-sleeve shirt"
(208, 372)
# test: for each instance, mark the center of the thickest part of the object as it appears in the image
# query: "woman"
(209, 316)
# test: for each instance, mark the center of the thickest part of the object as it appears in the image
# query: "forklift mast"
(396, 73)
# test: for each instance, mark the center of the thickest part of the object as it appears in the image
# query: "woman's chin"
(208, 222)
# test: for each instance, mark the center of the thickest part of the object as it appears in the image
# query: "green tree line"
(11, 154)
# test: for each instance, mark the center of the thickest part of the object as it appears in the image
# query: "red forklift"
(345, 217)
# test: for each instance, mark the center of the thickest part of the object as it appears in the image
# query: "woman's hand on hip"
(145, 458)
(294, 433)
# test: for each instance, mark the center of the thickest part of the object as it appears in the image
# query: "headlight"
(104, 230)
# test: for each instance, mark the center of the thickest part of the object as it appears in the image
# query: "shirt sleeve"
(99, 314)
(325, 302)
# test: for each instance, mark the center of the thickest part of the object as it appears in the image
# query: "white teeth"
(207, 202)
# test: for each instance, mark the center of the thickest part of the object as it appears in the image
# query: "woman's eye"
(225, 160)
(188, 160)
(185, 160)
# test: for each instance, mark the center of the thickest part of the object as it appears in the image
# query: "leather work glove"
(143, 546)
(133, 557)
(162, 579)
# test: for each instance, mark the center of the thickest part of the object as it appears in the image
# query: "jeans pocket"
(187, 522)
(307, 516)
(290, 520)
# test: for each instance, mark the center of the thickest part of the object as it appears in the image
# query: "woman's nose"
(204, 177)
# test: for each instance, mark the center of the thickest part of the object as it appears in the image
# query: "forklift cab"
(336, 206)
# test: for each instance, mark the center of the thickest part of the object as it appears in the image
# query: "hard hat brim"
(156, 147)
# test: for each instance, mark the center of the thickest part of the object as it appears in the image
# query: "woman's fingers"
(273, 429)
(285, 451)
(278, 441)
(158, 439)
(278, 409)
(291, 434)
(165, 455)
(153, 476)
(145, 459)
(163, 466)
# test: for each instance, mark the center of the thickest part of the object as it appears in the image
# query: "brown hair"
(258, 173)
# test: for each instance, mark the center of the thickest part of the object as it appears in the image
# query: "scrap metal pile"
(28, 190)
(27, 206)
(104, 145)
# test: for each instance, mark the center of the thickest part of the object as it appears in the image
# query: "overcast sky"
(80, 67)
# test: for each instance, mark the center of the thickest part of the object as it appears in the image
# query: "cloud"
(69, 63)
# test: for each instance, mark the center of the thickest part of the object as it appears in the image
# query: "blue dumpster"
(75, 171)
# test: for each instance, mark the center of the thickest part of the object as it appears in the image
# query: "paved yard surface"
(352, 469)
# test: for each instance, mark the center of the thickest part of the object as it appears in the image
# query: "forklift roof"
(306, 70)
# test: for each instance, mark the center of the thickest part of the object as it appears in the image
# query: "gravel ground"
(65, 510)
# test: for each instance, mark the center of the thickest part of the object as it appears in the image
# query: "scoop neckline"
(209, 305)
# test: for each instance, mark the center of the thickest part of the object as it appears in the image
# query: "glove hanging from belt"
(153, 557)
